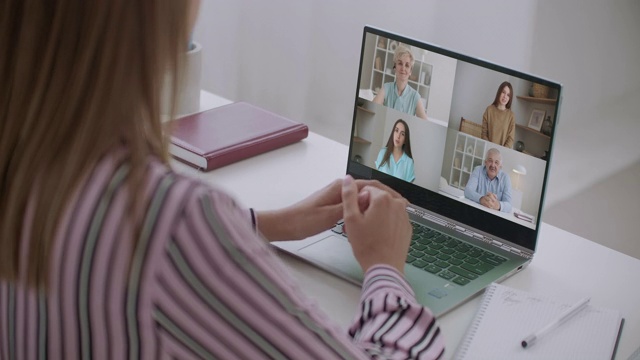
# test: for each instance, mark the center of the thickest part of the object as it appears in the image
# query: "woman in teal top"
(398, 94)
(395, 159)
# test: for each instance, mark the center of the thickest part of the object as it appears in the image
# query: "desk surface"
(565, 265)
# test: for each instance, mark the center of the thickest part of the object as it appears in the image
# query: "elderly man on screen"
(489, 185)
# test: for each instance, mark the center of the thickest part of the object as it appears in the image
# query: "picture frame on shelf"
(536, 119)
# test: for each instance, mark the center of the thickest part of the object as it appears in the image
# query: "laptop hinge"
(469, 232)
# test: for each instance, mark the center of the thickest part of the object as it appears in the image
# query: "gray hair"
(493, 151)
(400, 51)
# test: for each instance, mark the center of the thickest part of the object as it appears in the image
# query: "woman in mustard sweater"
(498, 121)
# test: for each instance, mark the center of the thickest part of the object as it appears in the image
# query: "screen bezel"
(441, 204)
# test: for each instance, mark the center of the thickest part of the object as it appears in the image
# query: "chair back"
(470, 127)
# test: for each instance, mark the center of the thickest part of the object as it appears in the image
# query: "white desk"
(565, 266)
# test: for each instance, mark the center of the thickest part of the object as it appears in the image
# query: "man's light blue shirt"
(479, 185)
(402, 169)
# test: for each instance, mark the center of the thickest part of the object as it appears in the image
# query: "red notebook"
(223, 135)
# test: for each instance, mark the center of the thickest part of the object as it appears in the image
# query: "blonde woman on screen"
(399, 94)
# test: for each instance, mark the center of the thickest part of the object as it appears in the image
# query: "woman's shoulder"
(488, 111)
(416, 94)
(173, 191)
(407, 157)
(183, 198)
(180, 191)
(380, 156)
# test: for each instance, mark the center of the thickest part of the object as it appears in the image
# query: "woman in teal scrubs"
(398, 94)
(396, 159)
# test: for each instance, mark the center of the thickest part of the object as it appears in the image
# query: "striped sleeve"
(390, 323)
(222, 293)
(198, 283)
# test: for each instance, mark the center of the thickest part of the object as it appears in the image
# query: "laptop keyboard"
(449, 258)
(445, 256)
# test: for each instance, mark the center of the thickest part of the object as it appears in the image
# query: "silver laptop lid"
(473, 139)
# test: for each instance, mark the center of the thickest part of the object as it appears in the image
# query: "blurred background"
(300, 59)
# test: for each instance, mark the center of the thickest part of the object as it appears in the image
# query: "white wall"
(593, 48)
(442, 80)
(300, 59)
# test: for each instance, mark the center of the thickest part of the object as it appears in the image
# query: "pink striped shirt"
(198, 284)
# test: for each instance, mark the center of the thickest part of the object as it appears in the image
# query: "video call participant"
(396, 159)
(398, 94)
(489, 185)
(498, 121)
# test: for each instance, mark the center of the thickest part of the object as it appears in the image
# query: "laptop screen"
(458, 136)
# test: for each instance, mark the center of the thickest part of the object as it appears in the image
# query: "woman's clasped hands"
(378, 224)
(375, 219)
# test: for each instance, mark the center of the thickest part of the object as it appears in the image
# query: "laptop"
(459, 245)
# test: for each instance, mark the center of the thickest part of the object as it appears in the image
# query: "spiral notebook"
(507, 315)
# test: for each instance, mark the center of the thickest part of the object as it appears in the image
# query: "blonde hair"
(401, 50)
(78, 79)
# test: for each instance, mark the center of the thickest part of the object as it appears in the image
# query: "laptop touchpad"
(335, 254)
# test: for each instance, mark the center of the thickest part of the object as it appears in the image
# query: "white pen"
(531, 339)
